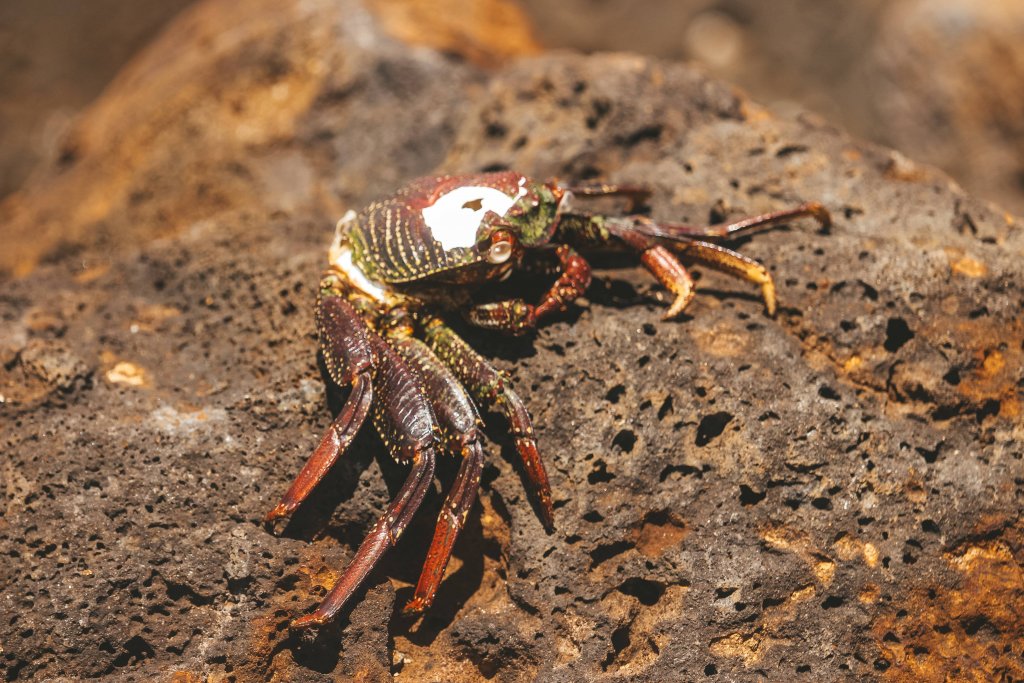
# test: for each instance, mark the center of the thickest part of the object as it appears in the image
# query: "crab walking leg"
(406, 425)
(345, 346)
(731, 262)
(516, 316)
(642, 233)
(488, 387)
(333, 443)
(570, 285)
(636, 194)
(450, 522)
(459, 424)
(741, 227)
(673, 276)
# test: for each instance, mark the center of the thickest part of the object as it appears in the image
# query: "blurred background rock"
(939, 80)
(55, 57)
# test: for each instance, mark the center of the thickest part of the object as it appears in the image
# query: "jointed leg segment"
(488, 387)
(459, 424)
(731, 262)
(333, 443)
(345, 345)
(672, 275)
(749, 225)
(450, 522)
(636, 194)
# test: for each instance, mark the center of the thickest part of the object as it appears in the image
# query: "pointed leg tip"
(280, 511)
(820, 213)
(306, 621)
(546, 507)
(672, 313)
(678, 306)
(770, 300)
(547, 518)
(415, 607)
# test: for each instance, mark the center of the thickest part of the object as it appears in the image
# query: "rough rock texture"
(939, 80)
(828, 495)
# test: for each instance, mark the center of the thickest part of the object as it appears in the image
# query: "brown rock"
(242, 109)
(55, 58)
(486, 33)
(947, 77)
(940, 80)
(833, 493)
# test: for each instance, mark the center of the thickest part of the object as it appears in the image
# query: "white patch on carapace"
(340, 256)
(456, 216)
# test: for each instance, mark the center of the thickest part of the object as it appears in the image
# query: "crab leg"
(664, 265)
(637, 194)
(489, 387)
(459, 424)
(672, 275)
(450, 522)
(516, 316)
(645, 235)
(569, 286)
(406, 425)
(347, 354)
(735, 229)
(731, 262)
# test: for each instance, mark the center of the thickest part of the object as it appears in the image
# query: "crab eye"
(499, 252)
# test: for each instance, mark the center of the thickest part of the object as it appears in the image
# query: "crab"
(398, 266)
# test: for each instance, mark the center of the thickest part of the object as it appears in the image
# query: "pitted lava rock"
(831, 494)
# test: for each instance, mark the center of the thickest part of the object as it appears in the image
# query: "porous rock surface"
(828, 495)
